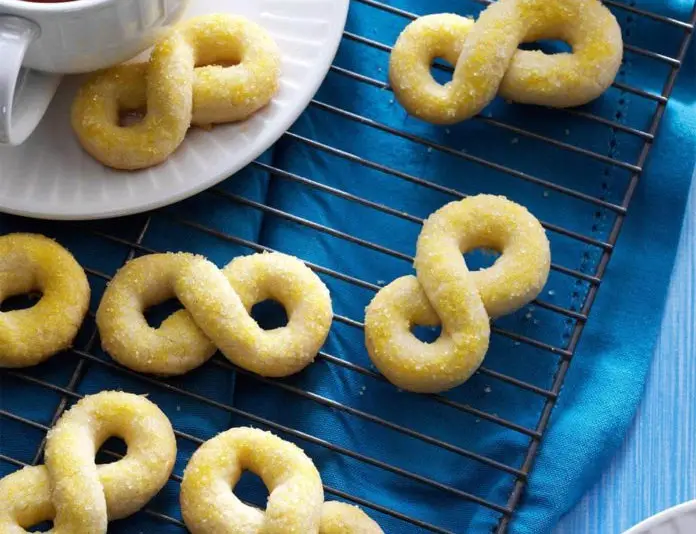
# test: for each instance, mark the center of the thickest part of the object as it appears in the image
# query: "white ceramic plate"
(51, 177)
(678, 520)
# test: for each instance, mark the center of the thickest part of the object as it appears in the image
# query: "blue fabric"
(606, 376)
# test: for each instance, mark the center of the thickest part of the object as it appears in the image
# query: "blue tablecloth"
(607, 374)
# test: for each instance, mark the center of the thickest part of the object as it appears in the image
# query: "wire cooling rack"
(634, 116)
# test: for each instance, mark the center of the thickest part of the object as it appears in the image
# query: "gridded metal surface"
(629, 118)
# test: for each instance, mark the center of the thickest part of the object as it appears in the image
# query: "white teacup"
(39, 42)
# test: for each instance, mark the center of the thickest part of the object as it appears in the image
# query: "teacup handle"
(24, 94)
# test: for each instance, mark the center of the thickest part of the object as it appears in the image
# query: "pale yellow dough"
(488, 62)
(79, 496)
(217, 313)
(294, 485)
(444, 292)
(296, 497)
(32, 262)
(341, 518)
(176, 91)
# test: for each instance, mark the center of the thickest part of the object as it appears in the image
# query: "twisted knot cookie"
(79, 496)
(31, 262)
(488, 62)
(444, 292)
(183, 84)
(296, 496)
(217, 311)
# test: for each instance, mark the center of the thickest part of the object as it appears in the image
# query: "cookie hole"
(222, 63)
(20, 302)
(156, 315)
(441, 71)
(112, 445)
(426, 334)
(548, 46)
(218, 56)
(269, 314)
(131, 117)
(480, 258)
(44, 526)
(251, 488)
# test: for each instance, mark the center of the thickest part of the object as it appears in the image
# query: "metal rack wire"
(86, 353)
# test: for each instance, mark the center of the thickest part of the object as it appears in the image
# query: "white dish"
(678, 520)
(51, 177)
